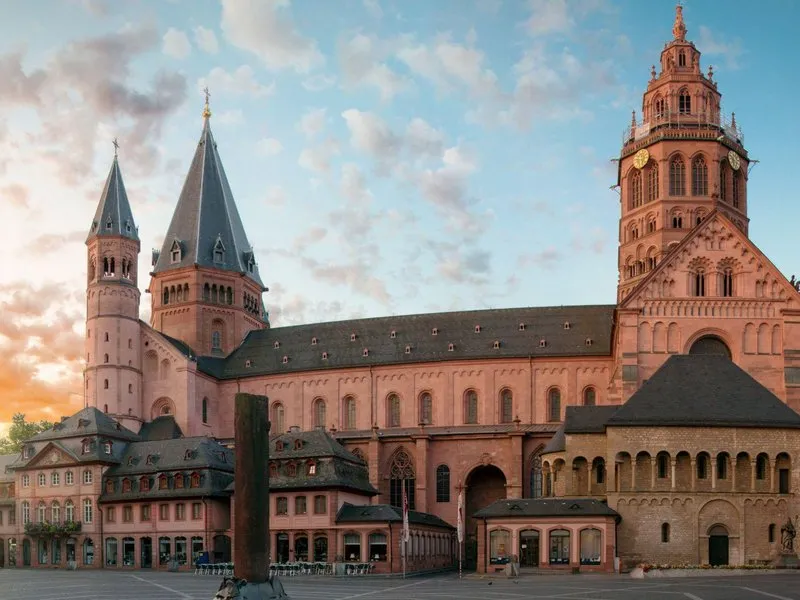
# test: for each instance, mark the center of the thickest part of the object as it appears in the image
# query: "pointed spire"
(114, 216)
(679, 28)
(206, 223)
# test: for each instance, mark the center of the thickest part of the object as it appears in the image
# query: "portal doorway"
(484, 485)
(718, 544)
(529, 548)
(146, 553)
(710, 344)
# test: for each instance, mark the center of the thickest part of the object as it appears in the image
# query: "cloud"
(370, 134)
(424, 139)
(39, 336)
(206, 40)
(275, 197)
(53, 242)
(546, 259)
(265, 28)
(241, 81)
(549, 16)
(313, 122)
(269, 147)
(319, 82)
(287, 308)
(230, 117)
(373, 8)
(15, 194)
(86, 89)
(176, 44)
(360, 59)
(318, 158)
(715, 45)
(309, 237)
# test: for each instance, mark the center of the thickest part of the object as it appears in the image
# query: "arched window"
(277, 425)
(665, 533)
(229, 296)
(699, 177)
(684, 102)
(41, 513)
(87, 510)
(207, 292)
(69, 511)
(589, 396)
(681, 59)
(506, 406)
(723, 180)
(105, 384)
(652, 182)
(443, 483)
(205, 410)
(761, 466)
(536, 474)
(559, 546)
(105, 358)
(677, 221)
(736, 190)
(677, 177)
(214, 297)
(112, 268)
(401, 476)
(470, 407)
(661, 107)
(319, 413)
(727, 282)
(771, 533)
(425, 408)
(393, 410)
(635, 188)
(699, 283)
(55, 512)
(216, 340)
(349, 412)
(554, 404)
(26, 512)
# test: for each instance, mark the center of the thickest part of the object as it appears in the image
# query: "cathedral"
(660, 428)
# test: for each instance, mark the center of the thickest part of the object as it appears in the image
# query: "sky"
(386, 156)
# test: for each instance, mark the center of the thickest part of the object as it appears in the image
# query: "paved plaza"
(114, 585)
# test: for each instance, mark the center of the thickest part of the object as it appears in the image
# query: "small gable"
(716, 259)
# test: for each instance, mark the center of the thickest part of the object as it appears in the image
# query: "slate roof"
(163, 427)
(114, 209)
(557, 443)
(588, 419)
(86, 422)
(206, 217)
(565, 330)
(546, 507)
(212, 461)
(704, 390)
(448, 430)
(335, 466)
(385, 513)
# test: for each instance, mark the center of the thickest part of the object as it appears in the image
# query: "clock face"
(734, 160)
(640, 158)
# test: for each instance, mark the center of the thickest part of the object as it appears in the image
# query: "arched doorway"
(717, 546)
(710, 344)
(26, 552)
(529, 548)
(484, 485)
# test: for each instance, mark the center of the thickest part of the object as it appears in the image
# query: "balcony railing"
(699, 122)
(52, 530)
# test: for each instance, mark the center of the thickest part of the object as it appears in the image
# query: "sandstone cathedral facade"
(661, 428)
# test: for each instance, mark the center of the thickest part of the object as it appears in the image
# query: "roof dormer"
(219, 251)
(175, 252)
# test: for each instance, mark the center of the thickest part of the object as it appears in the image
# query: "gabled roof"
(408, 339)
(163, 427)
(557, 443)
(715, 217)
(385, 513)
(702, 391)
(86, 422)
(206, 215)
(546, 507)
(588, 419)
(113, 216)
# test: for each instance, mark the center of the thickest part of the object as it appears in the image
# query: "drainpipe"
(533, 398)
(391, 545)
(102, 552)
(205, 528)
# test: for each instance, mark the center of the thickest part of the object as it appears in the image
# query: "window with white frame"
(69, 479)
(87, 510)
(26, 512)
(42, 480)
(87, 476)
(26, 481)
(55, 478)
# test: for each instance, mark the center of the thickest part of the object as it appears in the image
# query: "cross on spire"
(206, 109)
(115, 143)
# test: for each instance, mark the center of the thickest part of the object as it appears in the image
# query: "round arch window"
(710, 344)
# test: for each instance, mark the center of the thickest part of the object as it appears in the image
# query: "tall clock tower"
(682, 160)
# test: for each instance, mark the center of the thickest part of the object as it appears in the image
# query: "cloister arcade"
(704, 471)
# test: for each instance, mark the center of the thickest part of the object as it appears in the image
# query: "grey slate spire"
(206, 228)
(114, 216)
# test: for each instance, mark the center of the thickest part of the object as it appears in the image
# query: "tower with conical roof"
(205, 287)
(113, 376)
(680, 162)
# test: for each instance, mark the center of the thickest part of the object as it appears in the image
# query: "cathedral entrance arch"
(718, 544)
(710, 344)
(484, 485)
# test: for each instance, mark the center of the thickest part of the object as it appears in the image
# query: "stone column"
(693, 467)
(251, 498)
(734, 461)
(752, 476)
(653, 472)
(633, 474)
(673, 465)
(713, 467)
(771, 467)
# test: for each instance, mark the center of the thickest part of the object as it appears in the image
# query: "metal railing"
(728, 127)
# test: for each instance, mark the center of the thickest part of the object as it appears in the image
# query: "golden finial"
(679, 28)
(115, 143)
(206, 109)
